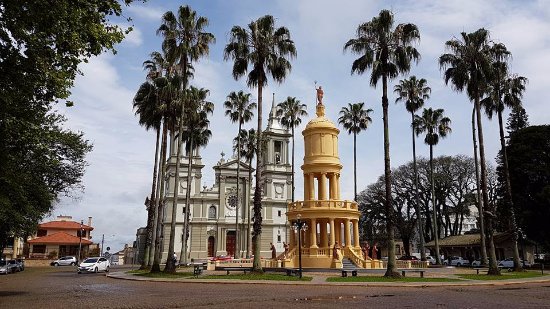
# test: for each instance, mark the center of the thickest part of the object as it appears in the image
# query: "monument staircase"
(348, 264)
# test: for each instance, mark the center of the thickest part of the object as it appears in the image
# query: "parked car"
(65, 261)
(13, 266)
(4, 269)
(431, 260)
(476, 263)
(94, 264)
(509, 263)
(21, 263)
(457, 261)
(408, 258)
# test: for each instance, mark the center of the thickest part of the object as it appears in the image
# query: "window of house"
(212, 212)
(41, 233)
(278, 150)
(278, 238)
(279, 213)
(39, 249)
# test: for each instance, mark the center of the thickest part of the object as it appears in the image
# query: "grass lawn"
(264, 276)
(384, 279)
(505, 275)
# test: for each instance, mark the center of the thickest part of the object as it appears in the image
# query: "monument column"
(337, 186)
(313, 234)
(323, 232)
(337, 231)
(347, 233)
(332, 236)
(311, 181)
(356, 234)
(292, 238)
(323, 187)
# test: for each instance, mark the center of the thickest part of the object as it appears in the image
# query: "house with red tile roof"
(61, 237)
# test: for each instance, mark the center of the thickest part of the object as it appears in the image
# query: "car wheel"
(73, 263)
(95, 270)
(458, 264)
(79, 272)
(55, 264)
(107, 269)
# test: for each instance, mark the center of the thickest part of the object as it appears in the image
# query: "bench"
(352, 271)
(421, 271)
(292, 271)
(478, 269)
(243, 269)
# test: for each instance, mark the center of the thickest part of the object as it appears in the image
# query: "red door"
(211, 246)
(230, 243)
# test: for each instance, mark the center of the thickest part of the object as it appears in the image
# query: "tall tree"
(479, 201)
(266, 49)
(248, 150)
(468, 67)
(505, 90)
(290, 111)
(435, 125)
(239, 109)
(387, 52)
(185, 41)
(195, 134)
(517, 120)
(354, 118)
(413, 92)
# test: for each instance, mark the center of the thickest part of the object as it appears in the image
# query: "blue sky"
(119, 176)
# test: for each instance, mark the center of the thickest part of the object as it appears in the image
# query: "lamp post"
(298, 227)
(80, 241)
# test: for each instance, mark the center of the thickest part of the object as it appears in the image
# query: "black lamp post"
(298, 227)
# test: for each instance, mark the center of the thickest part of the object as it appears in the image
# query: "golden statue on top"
(320, 94)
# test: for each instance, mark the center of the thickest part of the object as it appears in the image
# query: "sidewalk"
(320, 280)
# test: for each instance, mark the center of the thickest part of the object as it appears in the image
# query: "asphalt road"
(63, 288)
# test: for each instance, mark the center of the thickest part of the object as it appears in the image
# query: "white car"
(509, 263)
(457, 261)
(431, 260)
(94, 264)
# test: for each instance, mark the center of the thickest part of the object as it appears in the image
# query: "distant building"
(141, 238)
(61, 237)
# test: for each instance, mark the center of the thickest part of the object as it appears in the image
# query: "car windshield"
(90, 261)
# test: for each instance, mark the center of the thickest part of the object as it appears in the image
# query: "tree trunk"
(156, 261)
(436, 229)
(354, 166)
(391, 270)
(257, 233)
(418, 212)
(292, 162)
(248, 208)
(478, 191)
(151, 207)
(237, 253)
(183, 253)
(170, 261)
(489, 209)
(508, 200)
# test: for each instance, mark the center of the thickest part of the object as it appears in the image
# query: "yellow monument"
(332, 231)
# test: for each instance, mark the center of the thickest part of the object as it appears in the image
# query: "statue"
(285, 246)
(273, 251)
(375, 251)
(335, 251)
(320, 94)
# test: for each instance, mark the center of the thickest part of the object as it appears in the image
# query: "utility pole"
(102, 240)
(80, 241)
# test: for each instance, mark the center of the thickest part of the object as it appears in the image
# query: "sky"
(119, 174)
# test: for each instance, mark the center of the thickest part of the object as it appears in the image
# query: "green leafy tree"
(413, 92)
(468, 67)
(435, 125)
(248, 150)
(184, 41)
(354, 118)
(266, 49)
(239, 109)
(290, 111)
(386, 52)
(505, 90)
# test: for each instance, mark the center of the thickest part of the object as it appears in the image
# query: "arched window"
(212, 212)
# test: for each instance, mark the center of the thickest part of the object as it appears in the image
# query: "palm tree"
(413, 92)
(248, 150)
(239, 109)
(387, 52)
(434, 125)
(290, 111)
(355, 119)
(184, 41)
(266, 49)
(468, 67)
(195, 134)
(505, 91)
(478, 193)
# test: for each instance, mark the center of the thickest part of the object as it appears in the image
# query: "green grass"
(504, 275)
(384, 279)
(264, 276)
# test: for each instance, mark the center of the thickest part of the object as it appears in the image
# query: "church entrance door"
(211, 243)
(230, 243)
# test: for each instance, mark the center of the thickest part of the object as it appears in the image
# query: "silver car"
(65, 261)
(4, 268)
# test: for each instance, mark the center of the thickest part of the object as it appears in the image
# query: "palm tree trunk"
(156, 261)
(391, 270)
(157, 200)
(151, 207)
(183, 252)
(493, 269)
(256, 234)
(418, 212)
(292, 161)
(355, 166)
(248, 208)
(510, 202)
(478, 191)
(436, 228)
(237, 253)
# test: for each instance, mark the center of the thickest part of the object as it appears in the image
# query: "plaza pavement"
(319, 278)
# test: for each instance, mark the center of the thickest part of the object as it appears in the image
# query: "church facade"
(214, 228)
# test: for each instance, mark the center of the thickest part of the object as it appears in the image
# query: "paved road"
(63, 288)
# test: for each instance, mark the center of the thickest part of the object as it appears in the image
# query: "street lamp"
(298, 227)
(80, 241)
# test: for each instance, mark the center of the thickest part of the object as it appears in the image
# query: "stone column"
(356, 234)
(311, 181)
(292, 237)
(306, 188)
(347, 233)
(323, 187)
(332, 234)
(313, 233)
(323, 232)
(337, 186)
(337, 230)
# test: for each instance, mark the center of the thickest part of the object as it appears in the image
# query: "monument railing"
(325, 204)
(354, 257)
